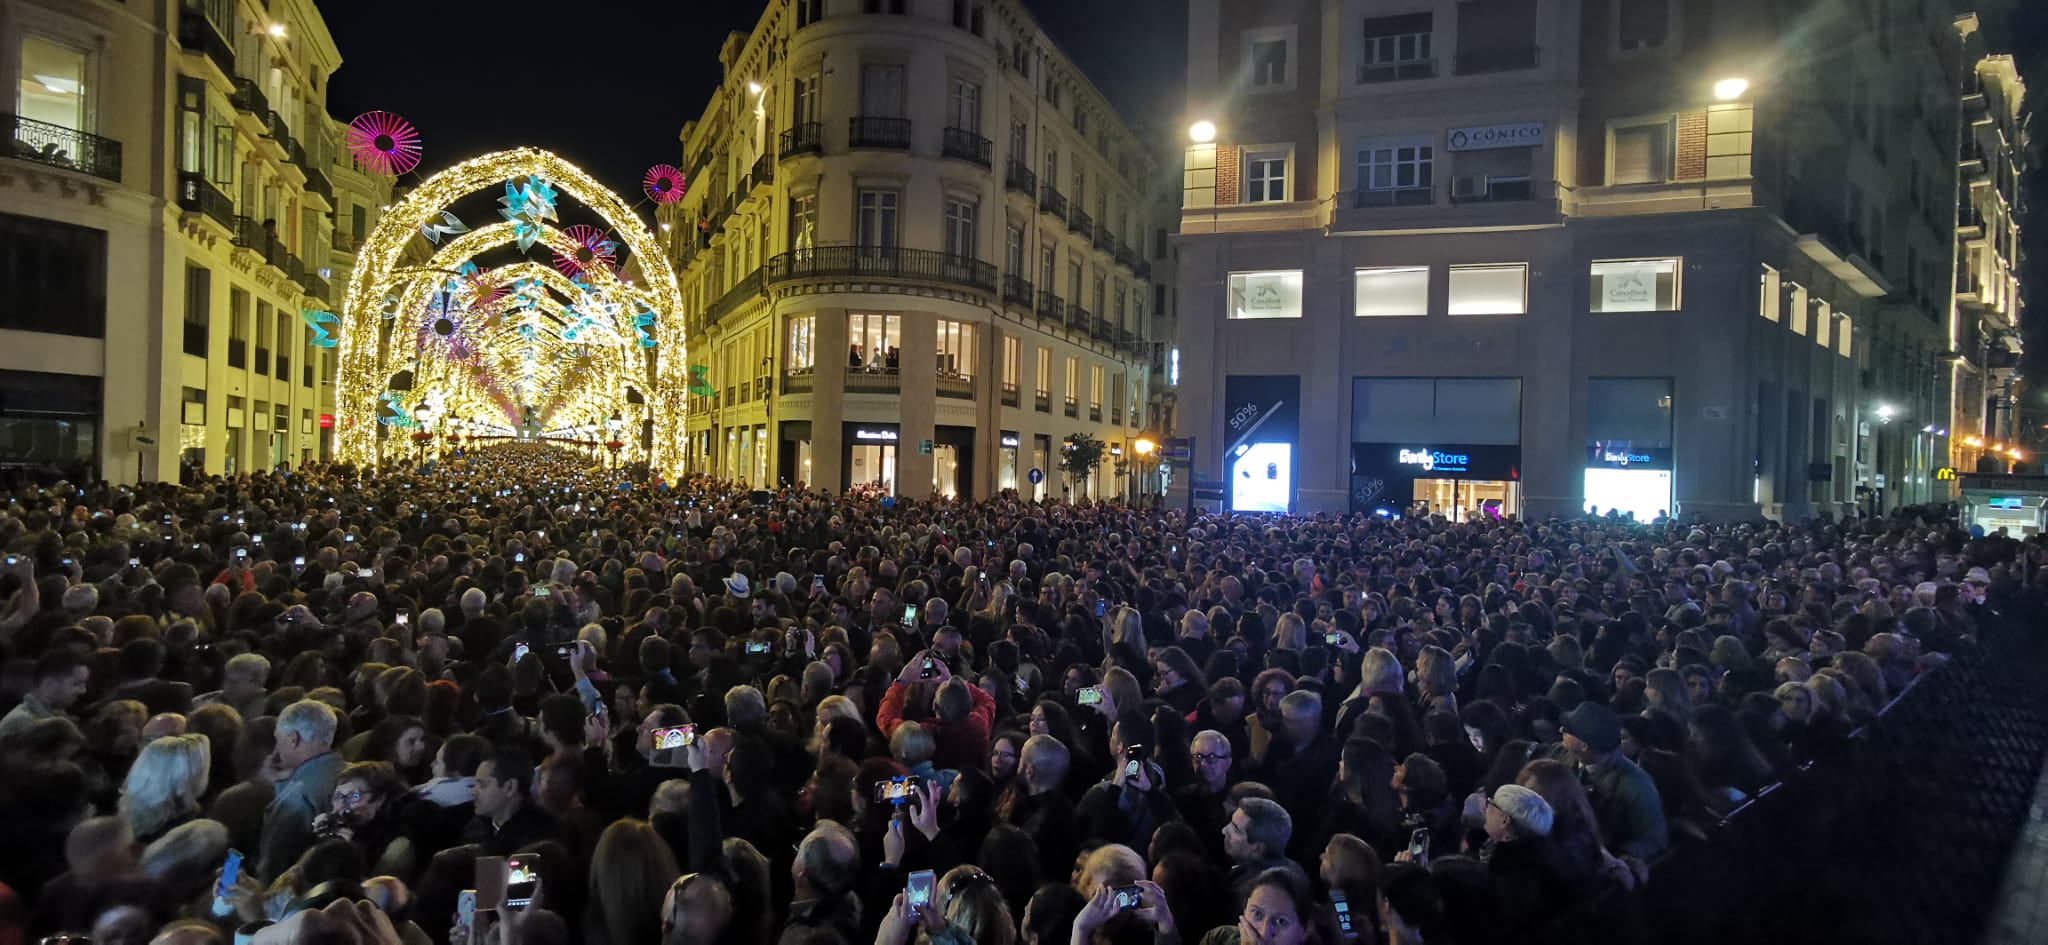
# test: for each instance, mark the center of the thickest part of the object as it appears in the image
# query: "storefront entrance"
(874, 464)
(1463, 500)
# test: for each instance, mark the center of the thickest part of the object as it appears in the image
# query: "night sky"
(610, 85)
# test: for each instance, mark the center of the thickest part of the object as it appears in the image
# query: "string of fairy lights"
(436, 346)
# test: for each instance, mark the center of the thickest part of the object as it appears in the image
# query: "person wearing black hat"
(1625, 800)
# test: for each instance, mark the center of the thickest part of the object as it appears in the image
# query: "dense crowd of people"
(517, 700)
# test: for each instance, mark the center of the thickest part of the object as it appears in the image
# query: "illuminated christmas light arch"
(383, 329)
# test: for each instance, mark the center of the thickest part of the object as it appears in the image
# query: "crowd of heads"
(516, 699)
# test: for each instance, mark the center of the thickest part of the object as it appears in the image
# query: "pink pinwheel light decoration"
(664, 184)
(592, 251)
(384, 143)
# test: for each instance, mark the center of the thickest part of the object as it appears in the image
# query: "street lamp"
(613, 426)
(1146, 448)
(424, 416)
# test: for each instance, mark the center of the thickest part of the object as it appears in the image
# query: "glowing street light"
(1730, 89)
(1202, 132)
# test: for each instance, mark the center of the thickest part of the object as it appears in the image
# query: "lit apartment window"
(1012, 360)
(803, 221)
(875, 341)
(803, 355)
(1843, 335)
(1494, 289)
(53, 86)
(1044, 388)
(956, 348)
(1272, 294)
(1635, 285)
(1641, 152)
(1073, 382)
(1394, 290)
(1265, 176)
(1095, 387)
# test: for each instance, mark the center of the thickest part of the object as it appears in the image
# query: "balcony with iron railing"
(1041, 401)
(196, 194)
(238, 353)
(1125, 256)
(263, 361)
(882, 262)
(284, 367)
(1010, 398)
(1051, 307)
(317, 182)
(867, 132)
(742, 291)
(886, 381)
(953, 384)
(1105, 241)
(965, 145)
(1481, 62)
(197, 34)
(1073, 407)
(798, 381)
(1020, 178)
(1017, 291)
(1079, 318)
(1102, 330)
(195, 339)
(1402, 71)
(342, 243)
(57, 146)
(1051, 201)
(763, 174)
(1094, 413)
(804, 138)
(1116, 416)
(1080, 222)
(1142, 269)
(248, 97)
(316, 286)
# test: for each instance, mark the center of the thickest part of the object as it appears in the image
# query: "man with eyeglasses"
(1203, 803)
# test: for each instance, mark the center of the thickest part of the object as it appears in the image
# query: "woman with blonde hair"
(630, 873)
(165, 784)
(974, 910)
(1290, 633)
(1436, 680)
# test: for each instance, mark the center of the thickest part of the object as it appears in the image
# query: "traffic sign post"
(1036, 475)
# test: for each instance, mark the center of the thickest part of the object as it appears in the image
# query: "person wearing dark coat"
(1526, 881)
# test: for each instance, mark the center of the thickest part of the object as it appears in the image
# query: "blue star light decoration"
(316, 323)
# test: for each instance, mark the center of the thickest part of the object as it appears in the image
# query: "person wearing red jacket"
(957, 715)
